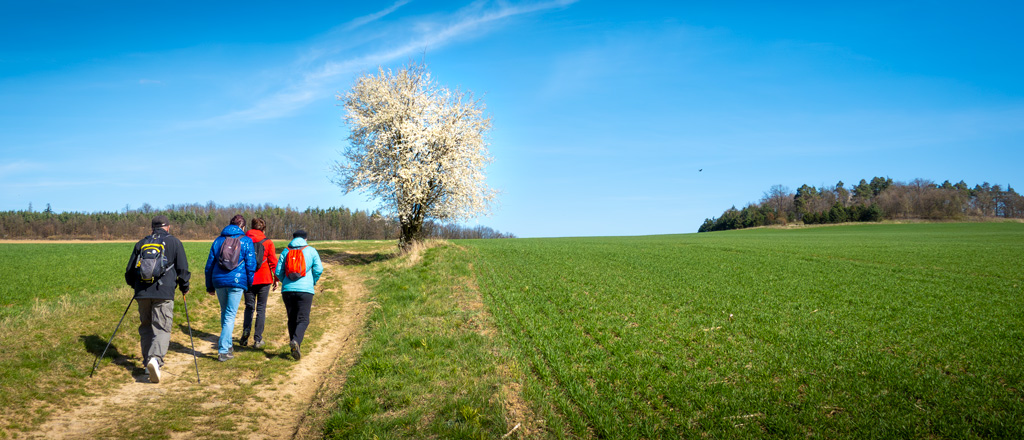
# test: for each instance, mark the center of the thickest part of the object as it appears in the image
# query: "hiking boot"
(153, 367)
(258, 345)
(223, 357)
(244, 340)
(295, 350)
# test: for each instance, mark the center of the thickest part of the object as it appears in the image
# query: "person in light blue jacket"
(229, 285)
(297, 291)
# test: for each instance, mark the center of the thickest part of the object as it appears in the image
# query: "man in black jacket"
(156, 297)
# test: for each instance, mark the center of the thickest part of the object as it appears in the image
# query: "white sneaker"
(154, 370)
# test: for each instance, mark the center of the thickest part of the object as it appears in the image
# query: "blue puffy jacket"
(314, 268)
(241, 276)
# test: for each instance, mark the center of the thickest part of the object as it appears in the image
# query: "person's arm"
(280, 265)
(209, 267)
(181, 267)
(129, 271)
(318, 267)
(269, 251)
(250, 260)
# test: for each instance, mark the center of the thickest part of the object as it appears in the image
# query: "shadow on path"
(95, 344)
(355, 259)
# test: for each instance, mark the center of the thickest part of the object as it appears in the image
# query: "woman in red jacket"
(256, 296)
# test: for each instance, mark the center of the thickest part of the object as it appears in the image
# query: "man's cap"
(160, 221)
(299, 233)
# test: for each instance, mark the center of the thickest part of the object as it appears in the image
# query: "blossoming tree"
(417, 147)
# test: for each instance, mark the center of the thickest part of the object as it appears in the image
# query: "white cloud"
(366, 19)
(322, 67)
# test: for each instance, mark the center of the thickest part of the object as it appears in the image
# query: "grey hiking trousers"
(156, 318)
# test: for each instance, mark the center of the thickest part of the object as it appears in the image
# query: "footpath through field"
(261, 394)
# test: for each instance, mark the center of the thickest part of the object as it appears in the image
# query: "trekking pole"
(190, 339)
(112, 336)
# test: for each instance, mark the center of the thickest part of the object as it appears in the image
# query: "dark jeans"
(255, 299)
(298, 305)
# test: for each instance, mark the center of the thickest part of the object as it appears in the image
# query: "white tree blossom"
(417, 147)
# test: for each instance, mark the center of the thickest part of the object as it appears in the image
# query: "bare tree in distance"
(779, 199)
(417, 147)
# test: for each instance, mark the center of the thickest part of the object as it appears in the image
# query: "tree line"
(204, 222)
(872, 201)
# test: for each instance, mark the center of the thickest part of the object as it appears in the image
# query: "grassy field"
(861, 331)
(871, 331)
(62, 301)
(38, 273)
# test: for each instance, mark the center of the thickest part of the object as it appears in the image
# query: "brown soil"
(292, 405)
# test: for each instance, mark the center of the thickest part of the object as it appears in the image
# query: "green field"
(45, 272)
(870, 331)
(860, 331)
(58, 305)
(61, 303)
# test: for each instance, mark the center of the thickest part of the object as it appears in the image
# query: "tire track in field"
(288, 406)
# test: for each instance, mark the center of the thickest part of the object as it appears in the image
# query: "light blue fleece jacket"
(314, 268)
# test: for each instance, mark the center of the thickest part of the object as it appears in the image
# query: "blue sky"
(603, 112)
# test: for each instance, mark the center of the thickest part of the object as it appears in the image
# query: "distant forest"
(879, 199)
(204, 222)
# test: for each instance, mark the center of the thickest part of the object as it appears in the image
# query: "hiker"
(256, 296)
(166, 264)
(230, 268)
(299, 269)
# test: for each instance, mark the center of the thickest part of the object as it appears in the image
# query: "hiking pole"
(112, 336)
(190, 338)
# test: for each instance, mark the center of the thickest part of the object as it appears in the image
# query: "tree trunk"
(411, 230)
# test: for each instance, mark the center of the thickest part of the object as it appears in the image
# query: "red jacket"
(265, 273)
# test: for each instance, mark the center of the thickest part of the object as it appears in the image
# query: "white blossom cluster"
(416, 146)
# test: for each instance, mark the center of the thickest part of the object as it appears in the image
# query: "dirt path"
(338, 348)
(287, 406)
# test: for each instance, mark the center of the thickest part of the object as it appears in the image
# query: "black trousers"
(297, 304)
(255, 300)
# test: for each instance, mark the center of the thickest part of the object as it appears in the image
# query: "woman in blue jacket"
(297, 291)
(229, 279)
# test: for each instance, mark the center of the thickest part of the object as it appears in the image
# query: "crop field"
(861, 331)
(870, 331)
(41, 272)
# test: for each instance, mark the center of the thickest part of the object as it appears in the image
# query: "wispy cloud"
(20, 167)
(366, 19)
(314, 80)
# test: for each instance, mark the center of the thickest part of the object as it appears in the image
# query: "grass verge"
(430, 365)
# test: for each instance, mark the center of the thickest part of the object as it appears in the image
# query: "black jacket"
(178, 274)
